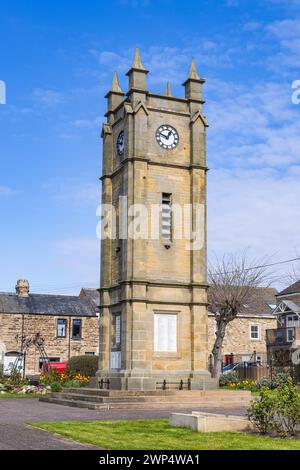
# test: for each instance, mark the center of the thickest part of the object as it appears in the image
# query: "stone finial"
(115, 86)
(168, 90)
(22, 288)
(137, 80)
(137, 62)
(193, 88)
(114, 96)
(193, 74)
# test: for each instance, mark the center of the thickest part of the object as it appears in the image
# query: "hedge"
(85, 365)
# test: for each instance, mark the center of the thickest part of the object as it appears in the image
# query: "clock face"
(167, 137)
(120, 144)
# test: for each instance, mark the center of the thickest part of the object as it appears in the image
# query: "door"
(229, 359)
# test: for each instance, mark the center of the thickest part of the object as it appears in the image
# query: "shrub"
(15, 379)
(261, 413)
(265, 383)
(277, 410)
(50, 377)
(84, 365)
(56, 387)
(227, 379)
(287, 407)
(281, 378)
(74, 383)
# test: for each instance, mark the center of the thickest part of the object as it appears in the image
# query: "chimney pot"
(22, 288)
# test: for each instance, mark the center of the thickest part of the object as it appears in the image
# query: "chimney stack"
(22, 288)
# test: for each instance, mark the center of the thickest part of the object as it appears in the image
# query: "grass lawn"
(20, 395)
(156, 434)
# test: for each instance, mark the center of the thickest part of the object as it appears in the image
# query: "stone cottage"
(245, 337)
(68, 326)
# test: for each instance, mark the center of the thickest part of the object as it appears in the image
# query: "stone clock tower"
(153, 321)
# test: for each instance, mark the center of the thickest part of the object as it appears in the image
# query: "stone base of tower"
(155, 380)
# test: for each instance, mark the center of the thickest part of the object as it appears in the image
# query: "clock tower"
(153, 320)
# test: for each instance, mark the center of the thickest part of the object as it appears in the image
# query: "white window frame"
(258, 332)
(165, 319)
(291, 328)
(293, 323)
(61, 328)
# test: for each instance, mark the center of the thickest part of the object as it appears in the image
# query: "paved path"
(16, 412)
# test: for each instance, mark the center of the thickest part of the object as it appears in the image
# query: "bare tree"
(294, 275)
(233, 282)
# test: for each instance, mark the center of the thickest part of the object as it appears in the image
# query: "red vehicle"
(60, 367)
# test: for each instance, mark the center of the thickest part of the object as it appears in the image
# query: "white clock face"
(120, 144)
(167, 137)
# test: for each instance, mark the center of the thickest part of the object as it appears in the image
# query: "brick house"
(284, 339)
(245, 337)
(68, 325)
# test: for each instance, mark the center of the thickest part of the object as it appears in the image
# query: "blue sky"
(57, 59)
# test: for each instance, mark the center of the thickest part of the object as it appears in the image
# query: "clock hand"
(166, 136)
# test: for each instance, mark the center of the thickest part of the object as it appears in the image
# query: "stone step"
(74, 403)
(220, 394)
(153, 399)
(97, 391)
(145, 406)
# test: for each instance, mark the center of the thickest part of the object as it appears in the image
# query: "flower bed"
(51, 381)
(232, 381)
(58, 381)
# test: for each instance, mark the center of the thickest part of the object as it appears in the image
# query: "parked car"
(235, 366)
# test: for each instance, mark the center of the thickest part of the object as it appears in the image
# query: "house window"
(290, 335)
(76, 329)
(89, 354)
(254, 332)
(61, 328)
(165, 332)
(166, 218)
(292, 321)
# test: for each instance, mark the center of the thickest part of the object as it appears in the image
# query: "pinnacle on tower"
(137, 79)
(168, 90)
(137, 62)
(193, 85)
(115, 95)
(193, 74)
(115, 86)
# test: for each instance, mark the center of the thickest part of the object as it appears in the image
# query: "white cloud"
(74, 191)
(6, 191)
(47, 97)
(79, 257)
(108, 57)
(88, 123)
(258, 208)
(262, 123)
